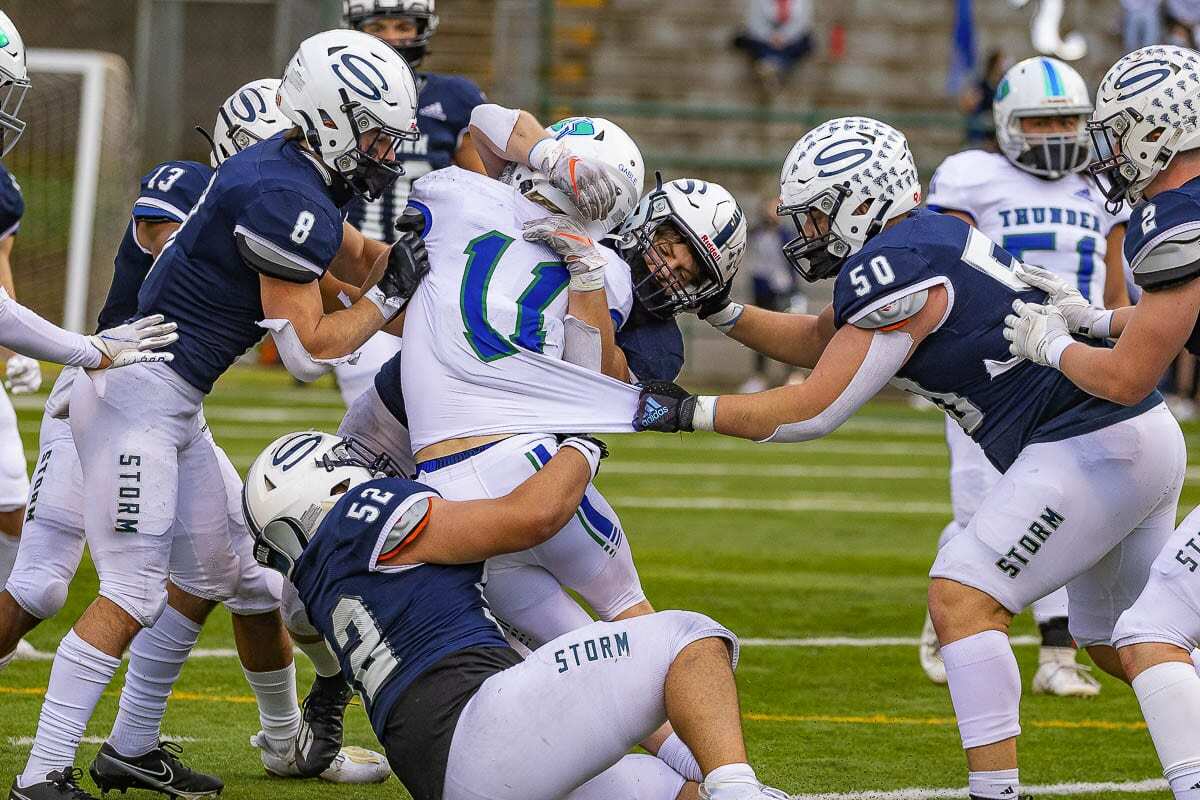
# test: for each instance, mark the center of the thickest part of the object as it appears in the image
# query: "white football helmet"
(1042, 87)
(1146, 112)
(840, 184)
(357, 13)
(712, 224)
(342, 84)
(249, 116)
(14, 83)
(598, 139)
(292, 485)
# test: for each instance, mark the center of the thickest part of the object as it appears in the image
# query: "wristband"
(388, 306)
(1056, 348)
(726, 318)
(587, 450)
(705, 414)
(1102, 327)
(589, 281)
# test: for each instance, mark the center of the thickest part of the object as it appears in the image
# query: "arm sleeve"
(288, 236)
(495, 123)
(885, 357)
(24, 332)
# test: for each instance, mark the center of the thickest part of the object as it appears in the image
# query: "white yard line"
(1132, 787)
(620, 466)
(841, 504)
(853, 641)
(26, 741)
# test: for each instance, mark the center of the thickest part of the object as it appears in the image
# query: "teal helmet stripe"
(1054, 85)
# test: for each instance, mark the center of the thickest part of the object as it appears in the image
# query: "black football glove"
(665, 407)
(408, 261)
(715, 303)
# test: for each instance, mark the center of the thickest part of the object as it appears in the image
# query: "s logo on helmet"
(688, 186)
(293, 451)
(248, 105)
(361, 76)
(1141, 77)
(842, 156)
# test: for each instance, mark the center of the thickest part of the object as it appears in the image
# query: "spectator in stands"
(976, 102)
(774, 281)
(1141, 23)
(1182, 21)
(777, 36)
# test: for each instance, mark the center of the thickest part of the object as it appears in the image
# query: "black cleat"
(320, 737)
(161, 770)
(1018, 797)
(62, 785)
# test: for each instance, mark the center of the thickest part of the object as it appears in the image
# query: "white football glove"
(1037, 332)
(592, 185)
(589, 447)
(1082, 317)
(134, 342)
(568, 238)
(24, 374)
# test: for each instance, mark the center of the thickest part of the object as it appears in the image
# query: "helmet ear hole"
(341, 488)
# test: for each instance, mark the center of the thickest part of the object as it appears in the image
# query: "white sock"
(1001, 784)
(678, 756)
(77, 679)
(985, 688)
(155, 660)
(8, 556)
(278, 711)
(322, 658)
(1169, 694)
(731, 772)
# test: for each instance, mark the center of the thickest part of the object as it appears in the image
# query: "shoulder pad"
(956, 179)
(1169, 259)
(894, 312)
(406, 528)
(265, 258)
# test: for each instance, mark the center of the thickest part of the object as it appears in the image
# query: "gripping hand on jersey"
(568, 238)
(592, 185)
(589, 447)
(135, 342)
(1081, 316)
(1036, 332)
(664, 407)
(408, 263)
(23, 374)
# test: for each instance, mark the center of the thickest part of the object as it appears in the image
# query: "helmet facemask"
(1115, 172)
(1051, 155)
(412, 50)
(11, 127)
(368, 174)
(818, 251)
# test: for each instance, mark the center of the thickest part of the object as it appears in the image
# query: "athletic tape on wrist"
(726, 318)
(705, 414)
(387, 308)
(1056, 348)
(591, 454)
(589, 281)
(1102, 328)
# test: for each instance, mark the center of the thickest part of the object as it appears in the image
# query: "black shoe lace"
(171, 752)
(68, 781)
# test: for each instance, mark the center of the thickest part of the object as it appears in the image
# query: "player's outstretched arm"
(795, 339)
(357, 256)
(1158, 327)
(466, 532)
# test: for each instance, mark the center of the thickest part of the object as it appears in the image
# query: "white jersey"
(490, 315)
(1061, 224)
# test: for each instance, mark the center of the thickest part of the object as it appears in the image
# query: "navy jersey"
(267, 210)
(1162, 243)
(165, 194)
(444, 106)
(965, 367)
(653, 347)
(387, 624)
(12, 204)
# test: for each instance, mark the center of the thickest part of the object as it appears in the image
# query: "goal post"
(77, 165)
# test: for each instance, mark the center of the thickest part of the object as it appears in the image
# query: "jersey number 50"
(549, 279)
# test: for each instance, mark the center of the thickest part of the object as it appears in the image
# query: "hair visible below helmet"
(1042, 87)
(249, 116)
(1146, 112)
(357, 13)
(342, 84)
(598, 139)
(14, 83)
(292, 485)
(708, 219)
(856, 173)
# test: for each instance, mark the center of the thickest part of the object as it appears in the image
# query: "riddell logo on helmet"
(710, 247)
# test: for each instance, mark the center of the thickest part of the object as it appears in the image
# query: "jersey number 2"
(549, 279)
(358, 637)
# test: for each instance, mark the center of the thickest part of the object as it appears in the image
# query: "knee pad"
(41, 595)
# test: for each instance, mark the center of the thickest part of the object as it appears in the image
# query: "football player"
(1147, 150)
(444, 106)
(391, 573)
(252, 250)
(26, 332)
(1089, 489)
(1031, 199)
